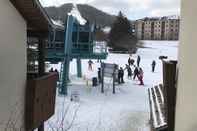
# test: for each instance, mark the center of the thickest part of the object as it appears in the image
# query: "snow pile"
(106, 29)
(58, 22)
(76, 14)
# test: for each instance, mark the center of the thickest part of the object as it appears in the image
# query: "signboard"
(109, 70)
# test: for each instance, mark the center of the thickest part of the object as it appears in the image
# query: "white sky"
(133, 9)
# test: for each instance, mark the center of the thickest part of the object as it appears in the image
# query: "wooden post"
(41, 59)
(170, 91)
(41, 67)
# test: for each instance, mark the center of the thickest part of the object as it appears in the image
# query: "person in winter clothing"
(129, 71)
(135, 73)
(138, 60)
(153, 65)
(129, 61)
(90, 65)
(132, 61)
(120, 75)
(141, 76)
(51, 70)
(99, 75)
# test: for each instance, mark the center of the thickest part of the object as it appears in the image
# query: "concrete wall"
(12, 66)
(186, 109)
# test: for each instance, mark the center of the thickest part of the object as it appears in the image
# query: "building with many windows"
(165, 28)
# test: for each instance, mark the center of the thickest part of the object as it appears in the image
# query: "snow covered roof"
(34, 14)
(171, 17)
(57, 22)
(106, 29)
(77, 15)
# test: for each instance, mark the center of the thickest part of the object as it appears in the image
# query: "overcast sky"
(133, 9)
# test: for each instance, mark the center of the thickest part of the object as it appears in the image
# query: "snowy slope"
(127, 110)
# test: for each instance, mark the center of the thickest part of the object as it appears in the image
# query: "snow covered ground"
(127, 110)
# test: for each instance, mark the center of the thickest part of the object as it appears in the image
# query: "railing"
(162, 99)
(157, 108)
(40, 99)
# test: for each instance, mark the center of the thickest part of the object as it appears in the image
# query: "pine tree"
(120, 36)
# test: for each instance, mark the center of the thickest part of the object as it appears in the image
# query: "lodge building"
(157, 28)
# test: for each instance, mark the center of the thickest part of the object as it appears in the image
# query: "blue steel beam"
(79, 71)
(67, 51)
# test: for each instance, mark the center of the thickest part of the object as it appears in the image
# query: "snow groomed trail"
(127, 110)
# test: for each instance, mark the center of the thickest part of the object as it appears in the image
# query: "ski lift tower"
(78, 44)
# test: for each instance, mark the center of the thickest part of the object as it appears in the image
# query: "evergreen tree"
(120, 36)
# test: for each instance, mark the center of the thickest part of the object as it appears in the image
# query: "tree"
(121, 36)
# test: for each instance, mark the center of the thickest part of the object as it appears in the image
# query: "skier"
(129, 71)
(51, 70)
(136, 72)
(140, 76)
(129, 61)
(153, 65)
(138, 60)
(132, 61)
(90, 65)
(99, 75)
(120, 75)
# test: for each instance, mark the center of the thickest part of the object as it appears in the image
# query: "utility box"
(94, 81)
(75, 96)
(40, 100)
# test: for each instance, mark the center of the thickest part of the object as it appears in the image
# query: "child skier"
(135, 73)
(138, 60)
(129, 71)
(140, 76)
(120, 75)
(90, 65)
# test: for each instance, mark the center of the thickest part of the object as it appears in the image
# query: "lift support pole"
(67, 51)
(79, 72)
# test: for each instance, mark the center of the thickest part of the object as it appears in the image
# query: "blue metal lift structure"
(75, 41)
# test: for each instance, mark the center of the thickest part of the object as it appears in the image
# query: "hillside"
(90, 13)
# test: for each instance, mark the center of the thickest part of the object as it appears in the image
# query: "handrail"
(153, 109)
(156, 104)
(159, 109)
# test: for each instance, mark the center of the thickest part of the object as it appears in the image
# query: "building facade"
(139, 29)
(13, 64)
(157, 28)
(19, 19)
(186, 105)
(172, 29)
